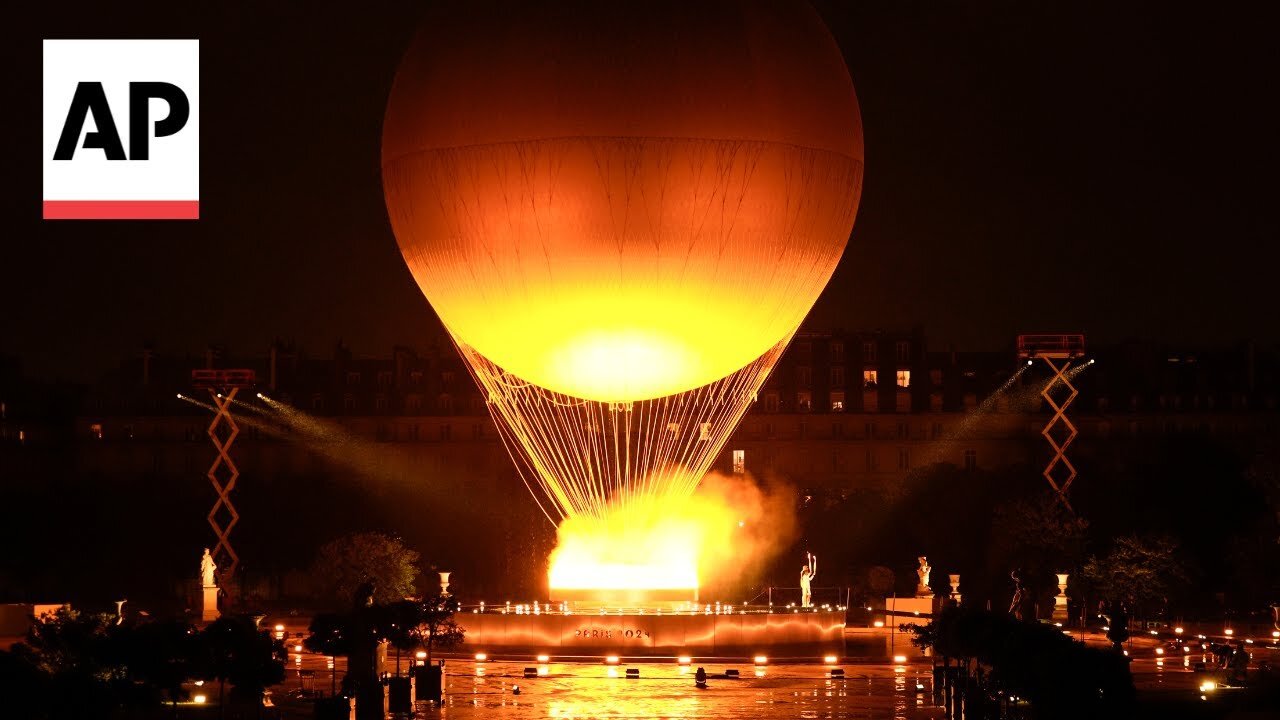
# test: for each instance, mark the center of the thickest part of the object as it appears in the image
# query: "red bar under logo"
(121, 209)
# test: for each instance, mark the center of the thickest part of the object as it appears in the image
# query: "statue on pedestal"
(922, 572)
(209, 588)
(207, 570)
(807, 571)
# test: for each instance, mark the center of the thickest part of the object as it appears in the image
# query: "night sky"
(1102, 167)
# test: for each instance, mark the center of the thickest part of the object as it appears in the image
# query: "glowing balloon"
(620, 201)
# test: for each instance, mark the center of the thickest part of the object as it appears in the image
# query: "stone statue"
(1023, 605)
(807, 571)
(923, 573)
(207, 569)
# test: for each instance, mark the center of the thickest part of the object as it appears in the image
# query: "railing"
(209, 379)
(1062, 345)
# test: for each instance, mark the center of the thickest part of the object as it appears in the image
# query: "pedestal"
(209, 604)
(907, 606)
(400, 694)
(1060, 600)
(428, 682)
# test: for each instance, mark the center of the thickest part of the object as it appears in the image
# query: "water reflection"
(569, 691)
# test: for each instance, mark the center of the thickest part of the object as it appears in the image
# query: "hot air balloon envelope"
(620, 201)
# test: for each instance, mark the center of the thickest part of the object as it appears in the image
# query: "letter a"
(89, 97)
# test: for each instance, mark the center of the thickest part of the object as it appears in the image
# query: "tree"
(233, 650)
(1137, 571)
(438, 629)
(158, 655)
(342, 565)
(1039, 533)
(399, 623)
(330, 635)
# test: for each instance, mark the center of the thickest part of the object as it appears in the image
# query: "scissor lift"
(1058, 352)
(222, 386)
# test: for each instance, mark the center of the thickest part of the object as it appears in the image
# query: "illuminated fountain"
(622, 219)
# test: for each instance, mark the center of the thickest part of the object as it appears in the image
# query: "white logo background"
(173, 170)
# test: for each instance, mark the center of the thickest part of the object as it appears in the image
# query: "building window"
(768, 430)
(935, 431)
(904, 459)
(869, 431)
(413, 432)
(804, 401)
(970, 459)
(446, 432)
(384, 378)
(902, 351)
(871, 460)
(413, 403)
(446, 376)
(837, 351)
(804, 376)
(935, 377)
(673, 428)
(869, 351)
(739, 462)
(803, 430)
(704, 431)
(415, 377)
(348, 402)
(477, 431)
(804, 349)
(96, 431)
(317, 402)
(869, 378)
(837, 430)
(837, 401)
(444, 403)
(771, 402)
(353, 378)
(903, 430)
(380, 403)
(904, 378)
(837, 376)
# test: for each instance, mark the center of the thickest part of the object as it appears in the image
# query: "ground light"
(899, 659)
(829, 659)
(611, 659)
(481, 657)
(684, 660)
(544, 658)
(760, 660)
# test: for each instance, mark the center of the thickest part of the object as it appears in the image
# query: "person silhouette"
(807, 572)
(700, 678)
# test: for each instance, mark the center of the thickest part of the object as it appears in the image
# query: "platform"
(783, 634)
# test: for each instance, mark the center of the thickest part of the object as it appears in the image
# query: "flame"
(669, 541)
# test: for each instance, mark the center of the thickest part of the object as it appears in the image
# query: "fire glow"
(670, 541)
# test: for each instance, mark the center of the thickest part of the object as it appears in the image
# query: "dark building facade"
(841, 409)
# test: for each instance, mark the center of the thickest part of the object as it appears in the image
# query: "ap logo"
(121, 129)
